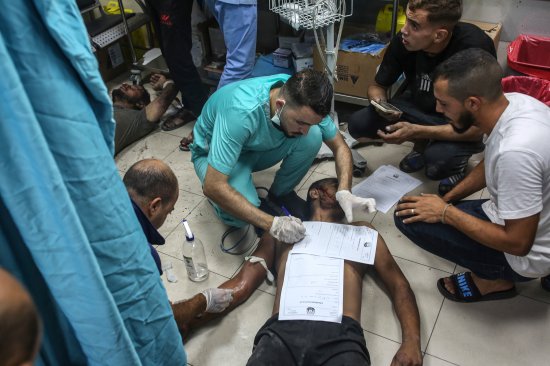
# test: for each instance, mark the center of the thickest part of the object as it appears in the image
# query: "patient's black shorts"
(306, 342)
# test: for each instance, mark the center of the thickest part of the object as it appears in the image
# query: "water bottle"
(193, 256)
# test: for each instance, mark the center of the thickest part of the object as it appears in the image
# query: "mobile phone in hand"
(385, 107)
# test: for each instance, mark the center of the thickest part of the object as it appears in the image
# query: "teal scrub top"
(236, 120)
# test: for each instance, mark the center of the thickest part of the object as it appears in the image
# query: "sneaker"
(445, 185)
(413, 162)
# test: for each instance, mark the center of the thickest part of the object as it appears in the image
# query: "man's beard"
(465, 121)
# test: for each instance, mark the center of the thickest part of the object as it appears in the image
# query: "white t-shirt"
(517, 172)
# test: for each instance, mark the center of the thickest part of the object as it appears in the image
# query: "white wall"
(517, 16)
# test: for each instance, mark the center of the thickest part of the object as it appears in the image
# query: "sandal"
(412, 162)
(185, 142)
(467, 291)
(180, 118)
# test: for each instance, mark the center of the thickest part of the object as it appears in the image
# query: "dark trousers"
(447, 242)
(441, 158)
(172, 21)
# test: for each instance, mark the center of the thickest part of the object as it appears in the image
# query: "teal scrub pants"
(297, 155)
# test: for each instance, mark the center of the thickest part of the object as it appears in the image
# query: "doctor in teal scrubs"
(253, 124)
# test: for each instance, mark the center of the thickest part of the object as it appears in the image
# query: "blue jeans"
(238, 23)
(447, 242)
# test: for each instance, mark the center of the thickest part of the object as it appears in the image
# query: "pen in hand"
(285, 211)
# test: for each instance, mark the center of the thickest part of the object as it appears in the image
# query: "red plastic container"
(535, 87)
(530, 55)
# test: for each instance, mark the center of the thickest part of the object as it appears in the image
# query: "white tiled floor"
(512, 332)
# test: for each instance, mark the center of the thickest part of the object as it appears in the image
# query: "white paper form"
(313, 289)
(353, 243)
(386, 185)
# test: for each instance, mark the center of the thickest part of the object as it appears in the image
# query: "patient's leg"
(190, 314)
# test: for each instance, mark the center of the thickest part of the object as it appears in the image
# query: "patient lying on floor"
(136, 115)
(306, 342)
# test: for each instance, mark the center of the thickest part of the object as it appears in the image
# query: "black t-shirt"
(418, 66)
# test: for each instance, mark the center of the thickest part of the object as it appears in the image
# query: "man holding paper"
(308, 342)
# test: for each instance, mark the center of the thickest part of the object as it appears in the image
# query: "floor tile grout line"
(190, 212)
(436, 319)
(210, 270)
(422, 264)
(535, 299)
(381, 336)
(442, 359)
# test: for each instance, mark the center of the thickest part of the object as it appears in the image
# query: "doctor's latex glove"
(217, 299)
(288, 229)
(348, 202)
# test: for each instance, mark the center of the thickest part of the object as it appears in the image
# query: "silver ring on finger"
(412, 211)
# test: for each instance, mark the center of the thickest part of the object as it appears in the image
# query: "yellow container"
(383, 20)
(139, 36)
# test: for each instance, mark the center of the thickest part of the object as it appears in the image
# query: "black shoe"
(412, 162)
(447, 184)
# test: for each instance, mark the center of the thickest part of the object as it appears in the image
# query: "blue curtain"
(68, 231)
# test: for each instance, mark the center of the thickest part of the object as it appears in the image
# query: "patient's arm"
(404, 304)
(190, 314)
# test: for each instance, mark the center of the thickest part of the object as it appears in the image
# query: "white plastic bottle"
(193, 256)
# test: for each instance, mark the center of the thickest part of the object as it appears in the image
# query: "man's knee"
(437, 170)
(363, 123)
(444, 159)
(406, 229)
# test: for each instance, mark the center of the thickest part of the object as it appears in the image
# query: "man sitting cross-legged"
(304, 342)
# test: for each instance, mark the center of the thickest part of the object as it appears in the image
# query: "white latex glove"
(288, 229)
(348, 202)
(217, 299)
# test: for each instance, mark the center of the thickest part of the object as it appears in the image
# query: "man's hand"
(348, 202)
(426, 207)
(157, 81)
(288, 229)
(408, 355)
(398, 133)
(217, 299)
(390, 116)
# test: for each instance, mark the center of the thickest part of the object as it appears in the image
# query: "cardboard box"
(355, 71)
(286, 41)
(302, 63)
(281, 57)
(493, 30)
(113, 60)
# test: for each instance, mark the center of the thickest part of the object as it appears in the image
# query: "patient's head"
(321, 199)
(131, 96)
(20, 326)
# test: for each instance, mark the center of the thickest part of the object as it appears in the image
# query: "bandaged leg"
(253, 259)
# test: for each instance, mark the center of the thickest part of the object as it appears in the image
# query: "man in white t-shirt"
(505, 239)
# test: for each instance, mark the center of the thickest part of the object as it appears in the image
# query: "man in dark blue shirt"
(153, 189)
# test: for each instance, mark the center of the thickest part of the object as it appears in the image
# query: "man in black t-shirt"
(432, 34)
